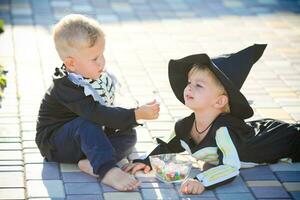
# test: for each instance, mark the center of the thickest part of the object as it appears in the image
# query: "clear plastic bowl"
(171, 168)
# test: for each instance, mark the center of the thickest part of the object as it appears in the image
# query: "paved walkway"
(142, 35)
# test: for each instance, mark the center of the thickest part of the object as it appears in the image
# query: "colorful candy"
(170, 171)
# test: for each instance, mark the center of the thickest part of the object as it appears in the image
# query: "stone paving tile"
(45, 171)
(262, 183)
(77, 177)
(288, 176)
(65, 167)
(82, 188)
(84, 197)
(236, 186)
(258, 173)
(10, 155)
(12, 193)
(15, 168)
(292, 186)
(159, 193)
(11, 179)
(295, 195)
(45, 188)
(10, 146)
(11, 163)
(270, 192)
(285, 167)
(122, 195)
(235, 196)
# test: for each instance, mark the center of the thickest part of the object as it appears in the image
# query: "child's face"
(201, 91)
(89, 62)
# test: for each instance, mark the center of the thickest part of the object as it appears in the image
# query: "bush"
(2, 71)
(1, 26)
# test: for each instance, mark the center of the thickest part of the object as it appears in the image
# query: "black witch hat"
(231, 69)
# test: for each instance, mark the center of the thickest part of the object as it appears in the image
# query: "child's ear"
(69, 63)
(222, 100)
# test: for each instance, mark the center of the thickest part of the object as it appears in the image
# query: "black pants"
(80, 139)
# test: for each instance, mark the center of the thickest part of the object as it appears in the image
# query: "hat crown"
(236, 66)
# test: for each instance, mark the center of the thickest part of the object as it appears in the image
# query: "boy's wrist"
(137, 114)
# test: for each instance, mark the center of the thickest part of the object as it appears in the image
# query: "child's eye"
(189, 82)
(198, 85)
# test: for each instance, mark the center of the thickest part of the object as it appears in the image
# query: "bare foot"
(85, 166)
(120, 180)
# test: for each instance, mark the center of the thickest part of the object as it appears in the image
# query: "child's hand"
(134, 167)
(147, 111)
(192, 186)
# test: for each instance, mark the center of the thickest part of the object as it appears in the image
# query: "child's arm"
(74, 99)
(231, 163)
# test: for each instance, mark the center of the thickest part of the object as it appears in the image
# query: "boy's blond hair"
(204, 68)
(74, 32)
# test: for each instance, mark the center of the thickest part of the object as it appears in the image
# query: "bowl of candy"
(171, 168)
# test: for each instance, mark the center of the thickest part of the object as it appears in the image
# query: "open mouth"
(188, 97)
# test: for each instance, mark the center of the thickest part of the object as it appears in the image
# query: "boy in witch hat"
(216, 131)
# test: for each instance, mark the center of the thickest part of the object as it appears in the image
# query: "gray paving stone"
(285, 167)
(9, 131)
(33, 158)
(82, 188)
(11, 168)
(258, 173)
(45, 171)
(122, 195)
(270, 192)
(11, 179)
(288, 176)
(29, 144)
(10, 155)
(295, 195)
(12, 193)
(10, 139)
(262, 183)
(84, 197)
(235, 196)
(65, 167)
(10, 146)
(236, 186)
(77, 177)
(292, 186)
(45, 188)
(158, 193)
(11, 162)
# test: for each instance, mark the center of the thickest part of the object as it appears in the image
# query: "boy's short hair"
(74, 32)
(205, 68)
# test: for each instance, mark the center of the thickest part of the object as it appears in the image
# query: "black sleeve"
(73, 97)
(161, 148)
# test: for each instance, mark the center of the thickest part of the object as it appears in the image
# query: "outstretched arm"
(231, 164)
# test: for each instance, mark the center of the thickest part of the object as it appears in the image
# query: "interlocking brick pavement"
(142, 35)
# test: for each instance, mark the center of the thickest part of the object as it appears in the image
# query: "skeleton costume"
(77, 121)
(231, 143)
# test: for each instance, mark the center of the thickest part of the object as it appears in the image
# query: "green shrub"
(2, 71)
(1, 26)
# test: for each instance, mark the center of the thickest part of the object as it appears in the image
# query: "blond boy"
(73, 116)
